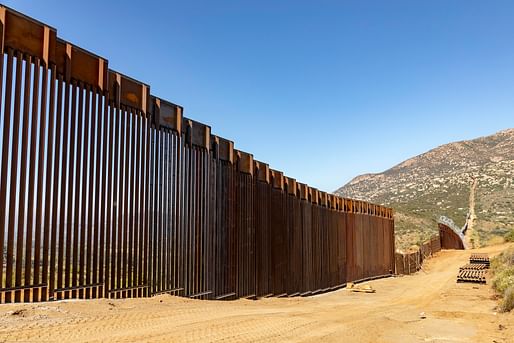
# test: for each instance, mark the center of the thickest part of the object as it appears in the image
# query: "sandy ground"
(454, 313)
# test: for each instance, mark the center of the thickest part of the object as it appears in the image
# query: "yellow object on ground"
(356, 288)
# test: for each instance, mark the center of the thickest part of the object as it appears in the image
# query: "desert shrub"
(508, 300)
(502, 267)
(503, 279)
(509, 237)
(503, 260)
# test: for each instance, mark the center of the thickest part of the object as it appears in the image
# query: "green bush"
(508, 300)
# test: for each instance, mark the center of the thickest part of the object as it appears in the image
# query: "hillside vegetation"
(440, 182)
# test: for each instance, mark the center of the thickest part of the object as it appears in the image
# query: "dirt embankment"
(454, 313)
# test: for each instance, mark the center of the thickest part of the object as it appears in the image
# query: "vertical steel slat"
(120, 203)
(157, 209)
(111, 203)
(78, 225)
(136, 280)
(66, 161)
(179, 196)
(172, 234)
(130, 214)
(236, 232)
(93, 158)
(151, 227)
(229, 287)
(171, 214)
(103, 197)
(187, 207)
(42, 228)
(126, 190)
(200, 232)
(189, 216)
(85, 224)
(70, 222)
(190, 220)
(58, 182)
(173, 209)
(149, 194)
(164, 210)
(96, 182)
(23, 177)
(120, 251)
(14, 167)
(42, 208)
(129, 226)
(224, 231)
(197, 219)
(160, 221)
(194, 222)
(207, 241)
(154, 201)
(144, 256)
(203, 236)
(193, 227)
(241, 235)
(197, 223)
(114, 203)
(29, 271)
(221, 250)
(184, 224)
(138, 212)
(207, 222)
(157, 197)
(5, 158)
(218, 233)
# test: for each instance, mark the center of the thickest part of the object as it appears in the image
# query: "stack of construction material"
(480, 258)
(476, 270)
(475, 266)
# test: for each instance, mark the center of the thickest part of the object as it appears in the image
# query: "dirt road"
(454, 313)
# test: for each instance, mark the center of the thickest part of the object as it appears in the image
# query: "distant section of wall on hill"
(408, 263)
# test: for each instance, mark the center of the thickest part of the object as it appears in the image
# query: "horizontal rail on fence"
(127, 197)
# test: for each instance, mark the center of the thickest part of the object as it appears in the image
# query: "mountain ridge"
(439, 181)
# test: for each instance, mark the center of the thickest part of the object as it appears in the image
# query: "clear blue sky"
(322, 90)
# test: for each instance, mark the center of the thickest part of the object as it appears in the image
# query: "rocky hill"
(475, 176)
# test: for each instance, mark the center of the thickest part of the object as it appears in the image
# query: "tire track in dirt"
(455, 313)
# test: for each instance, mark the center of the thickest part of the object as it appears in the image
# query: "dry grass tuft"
(503, 280)
(508, 300)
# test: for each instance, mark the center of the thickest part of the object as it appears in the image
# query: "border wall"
(109, 191)
(409, 263)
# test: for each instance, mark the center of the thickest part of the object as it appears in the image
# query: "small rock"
(20, 312)
(422, 315)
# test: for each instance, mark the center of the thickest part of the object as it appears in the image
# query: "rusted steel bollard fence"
(109, 191)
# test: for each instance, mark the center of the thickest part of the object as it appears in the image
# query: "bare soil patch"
(454, 313)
